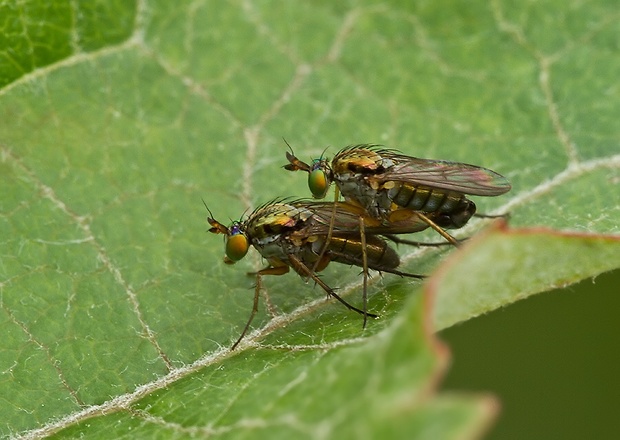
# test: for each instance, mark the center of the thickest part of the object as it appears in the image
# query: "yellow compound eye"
(236, 247)
(318, 184)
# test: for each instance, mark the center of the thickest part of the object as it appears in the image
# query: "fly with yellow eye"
(293, 234)
(387, 184)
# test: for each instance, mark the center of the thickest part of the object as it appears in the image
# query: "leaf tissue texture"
(118, 118)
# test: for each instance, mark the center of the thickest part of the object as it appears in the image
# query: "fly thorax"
(270, 249)
(384, 205)
(265, 240)
(359, 190)
(281, 248)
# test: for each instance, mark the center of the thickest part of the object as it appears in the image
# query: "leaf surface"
(117, 119)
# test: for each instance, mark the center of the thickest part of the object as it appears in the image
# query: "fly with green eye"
(293, 234)
(386, 183)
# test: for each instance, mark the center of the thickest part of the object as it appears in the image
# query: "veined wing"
(454, 176)
(346, 220)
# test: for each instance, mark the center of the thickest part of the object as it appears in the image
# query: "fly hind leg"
(304, 270)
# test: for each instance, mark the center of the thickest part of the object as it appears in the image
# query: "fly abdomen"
(458, 217)
(422, 198)
(379, 255)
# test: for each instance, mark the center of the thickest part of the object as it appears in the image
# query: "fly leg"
(332, 220)
(364, 269)
(395, 239)
(272, 270)
(344, 258)
(403, 274)
(439, 229)
(505, 216)
(301, 268)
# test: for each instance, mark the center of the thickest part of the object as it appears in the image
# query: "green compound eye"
(318, 184)
(237, 246)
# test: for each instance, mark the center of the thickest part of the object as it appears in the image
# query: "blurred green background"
(552, 360)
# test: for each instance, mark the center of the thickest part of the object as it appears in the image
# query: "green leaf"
(523, 262)
(117, 118)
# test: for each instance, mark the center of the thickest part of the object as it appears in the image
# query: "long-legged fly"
(386, 184)
(293, 234)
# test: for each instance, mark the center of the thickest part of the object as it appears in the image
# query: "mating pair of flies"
(386, 194)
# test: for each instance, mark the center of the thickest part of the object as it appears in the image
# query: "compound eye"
(237, 246)
(318, 183)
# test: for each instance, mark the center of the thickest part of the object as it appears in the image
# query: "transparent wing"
(383, 165)
(346, 220)
(454, 176)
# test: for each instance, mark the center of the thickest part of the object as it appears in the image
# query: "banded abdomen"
(453, 209)
(379, 255)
